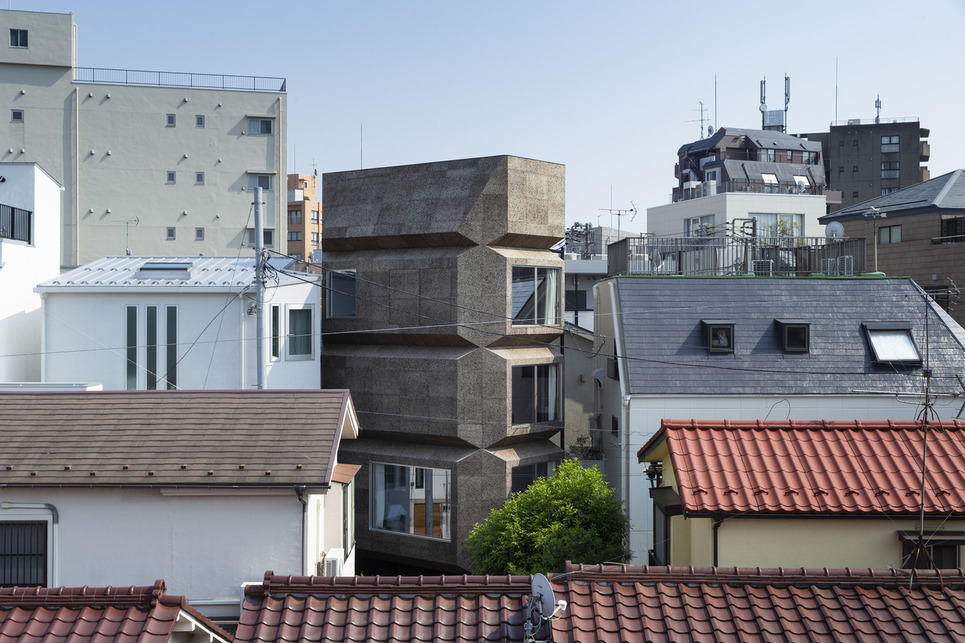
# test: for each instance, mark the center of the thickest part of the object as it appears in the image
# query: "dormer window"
(718, 335)
(892, 343)
(794, 335)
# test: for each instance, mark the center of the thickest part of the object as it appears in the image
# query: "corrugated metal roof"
(220, 273)
(162, 438)
(666, 353)
(822, 467)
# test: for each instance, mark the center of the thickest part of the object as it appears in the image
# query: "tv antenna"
(541, 607)
(621, 213)
(878, 109)
(127, 234)
(701, 120)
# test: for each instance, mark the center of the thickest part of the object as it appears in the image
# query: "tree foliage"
(571, 516)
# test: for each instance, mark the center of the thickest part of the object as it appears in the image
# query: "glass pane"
(390, 497)
(151, 348)
(300, 332)
(524, 394)
(893, 346)
(523, 295)
(341, 294)
(547, 293)
(172, 349)
(131, 348)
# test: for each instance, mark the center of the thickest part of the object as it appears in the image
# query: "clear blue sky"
(609, 89)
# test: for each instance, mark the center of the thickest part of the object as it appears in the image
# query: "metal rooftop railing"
(722, 256)
(177, 79)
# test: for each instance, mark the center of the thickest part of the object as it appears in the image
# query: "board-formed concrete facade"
(155, 162)
(433, 340)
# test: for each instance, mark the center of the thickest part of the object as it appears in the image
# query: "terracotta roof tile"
(85, 614)
(169, 437)
(815, 467)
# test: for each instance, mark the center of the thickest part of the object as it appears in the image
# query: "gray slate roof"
(945, 193)
(666, 353)
(171, 438)
(763, 139)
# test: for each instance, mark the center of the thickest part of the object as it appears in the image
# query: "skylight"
(892, 343)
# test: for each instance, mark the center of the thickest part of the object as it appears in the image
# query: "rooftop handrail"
(872, 121)
(143, 78)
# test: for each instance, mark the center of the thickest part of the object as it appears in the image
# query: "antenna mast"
(701, 119)
(621, 213)
(127, 234)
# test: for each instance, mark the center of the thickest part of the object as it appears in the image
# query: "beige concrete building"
(304, 217)
(159, 163)
(443, 304)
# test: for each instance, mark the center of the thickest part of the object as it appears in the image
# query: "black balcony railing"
(743, 185)
(721, 256)
(177, 79)
(15, 223)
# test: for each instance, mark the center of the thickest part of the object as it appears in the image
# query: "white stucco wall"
(84, 338)
(668, 220)
(24, 265)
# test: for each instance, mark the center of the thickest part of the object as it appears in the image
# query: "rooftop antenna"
(763, 106)
(127, 234)
(787, 98)
(620, 213)
(701, 119)
(878, 109)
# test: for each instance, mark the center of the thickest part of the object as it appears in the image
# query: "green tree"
(570, 516)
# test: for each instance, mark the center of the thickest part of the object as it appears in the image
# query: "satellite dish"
(834, 230)
(542, 593)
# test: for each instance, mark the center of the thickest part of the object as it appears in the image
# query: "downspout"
(76, 195)
(718, 521)
(55, 521)
(300, 492)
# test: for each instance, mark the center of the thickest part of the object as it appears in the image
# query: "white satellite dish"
(834, 230)
(542, 592)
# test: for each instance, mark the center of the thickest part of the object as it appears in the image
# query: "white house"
(29, 253)
(746, 348)
(180, 323)
(205, 489)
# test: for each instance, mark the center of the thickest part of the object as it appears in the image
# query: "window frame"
(37, 571)
(257, 126)
(543, 396)
(339, 302)
(170, 120)
(19, 39)
(199, 121)
(199, 234)
(536, 309)
(16, 115)
(199, 178)
(268, 237)
(789, 334)
(889, 234)
(711, 328)
(950, 542)
(172, 234)
(171, 177)
(403, 487)
(291, 341)
(255, 180)
(881, 336)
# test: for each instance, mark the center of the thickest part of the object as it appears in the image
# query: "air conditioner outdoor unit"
(763, 267)
(331, 563)
(846, 266)
(829, 267)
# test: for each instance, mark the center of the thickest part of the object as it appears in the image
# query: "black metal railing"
(177, 79)
(721, 256)
(710, 188)
(15, 223)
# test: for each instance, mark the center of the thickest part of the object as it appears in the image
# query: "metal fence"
(15, 223)
(719, 256)
(177, 79)
(711, 188)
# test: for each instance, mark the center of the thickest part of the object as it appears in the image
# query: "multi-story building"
(304, 217)
(441, 315)
(157, 163)
(737, 176)
(864, 159)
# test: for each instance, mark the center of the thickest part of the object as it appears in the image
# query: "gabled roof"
(945, 194)
(795, 467)
(112, 274)
(665, 351)
(258, 438)
(120, 614)
(613, 603)
(384, 608)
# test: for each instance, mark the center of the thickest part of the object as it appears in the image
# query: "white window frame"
(255, 179)
(199, 178)
(289, 342)
(268, 241)
(16, 115)
(199, 121)
(15, 514)
(172, 177)
(171, 120)
(18, 36)
(172, 234)
(199, 234)
(257, 126)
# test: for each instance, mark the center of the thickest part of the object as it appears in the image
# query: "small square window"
(18, 38)
(794, 335)
(199, 178)
(260, 126)
(199, 234)
(719, 335)
(171, 120)
(892, 343)
(172, 177)
(171, 234)
(268, 238)
(840, 168)
(262, 181)
(199, 120)
(16, 115)
(854, 168)
(854, 143)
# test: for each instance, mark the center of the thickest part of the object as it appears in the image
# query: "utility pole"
(259, 291)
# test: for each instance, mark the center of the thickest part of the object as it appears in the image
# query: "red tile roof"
(819, 467)
(79, 614)
(615, 603)
(162, 438)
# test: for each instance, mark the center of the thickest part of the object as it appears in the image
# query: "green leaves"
(570, 516)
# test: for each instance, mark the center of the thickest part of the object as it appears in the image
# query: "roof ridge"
(383, 585)
(132, 595)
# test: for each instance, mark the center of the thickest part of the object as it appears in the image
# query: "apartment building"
(865, 159)
(156, 163)
(304, 217)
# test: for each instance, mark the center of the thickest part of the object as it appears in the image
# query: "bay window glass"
(535, 295)
(410, 500)
(535, 394)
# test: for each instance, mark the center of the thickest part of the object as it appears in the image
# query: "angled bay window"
(535, 295)
(410, 500)
(535, 394)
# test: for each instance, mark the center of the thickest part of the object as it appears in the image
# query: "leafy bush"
(570, 516)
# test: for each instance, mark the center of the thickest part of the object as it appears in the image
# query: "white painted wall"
(84, 335)
(24, 265)
(204, 543)
(668, 220)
